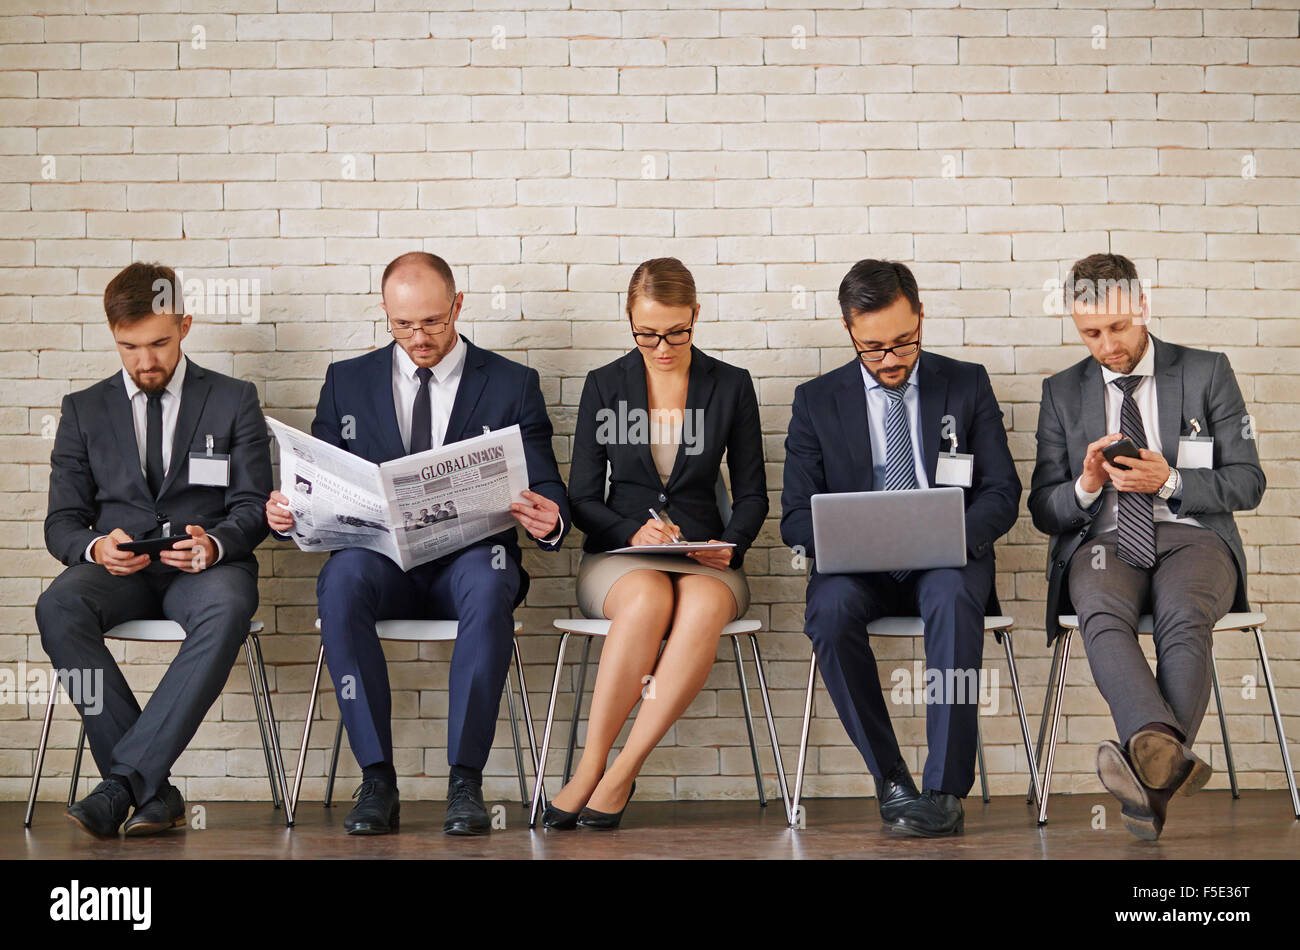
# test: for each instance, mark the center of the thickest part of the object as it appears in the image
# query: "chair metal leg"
(334, 763)
(979, 752)
(528, 713)
(261, 723)
(1042, 722)
(1277, 721)
(1046, 785)
(514, 735)
(1034, 787)
(771, 723)
(749, 722)
(40, 750)
(546, 733)
(577, 709)
(1223, 727)
(76, 763)
(272, 728)
(306, 732)
(803, 743)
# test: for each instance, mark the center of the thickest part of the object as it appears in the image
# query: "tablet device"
(875, 531)
(151, 546)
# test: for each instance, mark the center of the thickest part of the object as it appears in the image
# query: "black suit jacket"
(828, 448)
(723, 397)
(493, 392)
(96, 483)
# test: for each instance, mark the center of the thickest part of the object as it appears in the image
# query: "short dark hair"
(141, 290)
(431, 261)
(1091, 278)
(872, 285)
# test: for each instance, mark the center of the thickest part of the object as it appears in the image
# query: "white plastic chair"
(168, 631)
(417, 631)
(1253, 622)
(1000, 627)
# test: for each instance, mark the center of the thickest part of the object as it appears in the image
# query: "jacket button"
(1060, 564)
(663, 497)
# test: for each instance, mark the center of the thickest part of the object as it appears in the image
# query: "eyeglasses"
(673, 338)
(405, 329)
(901, 350)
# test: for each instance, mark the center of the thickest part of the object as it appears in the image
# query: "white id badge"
(210, 470)
(1196, 452)
(954, 469)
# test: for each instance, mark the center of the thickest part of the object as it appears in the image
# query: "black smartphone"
(151, 546)
(1124, 448)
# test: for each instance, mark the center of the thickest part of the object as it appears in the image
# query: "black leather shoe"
(896, 792)
(1143, 813)
(164, 811)
(603, 820)
(103, 810)
(466, 813)
(558, 818)
(1161, 761)
(377, 811)
(933, 815)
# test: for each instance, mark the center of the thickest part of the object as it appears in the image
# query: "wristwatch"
(1166, 491)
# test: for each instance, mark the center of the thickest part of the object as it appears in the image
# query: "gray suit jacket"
(1190, 384)
(96, 483)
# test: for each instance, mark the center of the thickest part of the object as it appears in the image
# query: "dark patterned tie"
(900, 467)
(153, 454)
(422, 414)
(1135, 525)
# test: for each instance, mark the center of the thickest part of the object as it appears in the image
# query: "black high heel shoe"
(559, 819)
(601, 820)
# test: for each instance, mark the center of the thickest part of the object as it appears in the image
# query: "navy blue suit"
(828, 449)
(479, 585)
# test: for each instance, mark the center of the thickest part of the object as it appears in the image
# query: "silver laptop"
(871, 531)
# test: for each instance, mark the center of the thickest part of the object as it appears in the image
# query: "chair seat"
(915, 626)
(419, 631)
(1241, 621)
(158, 631)
(600, 628)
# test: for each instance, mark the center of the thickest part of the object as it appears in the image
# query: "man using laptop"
(1153, 533)
(879, 423)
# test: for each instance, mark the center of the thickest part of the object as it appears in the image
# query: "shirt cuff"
(89, 546)
(555, 535)
(217, 544)
(1085, 499)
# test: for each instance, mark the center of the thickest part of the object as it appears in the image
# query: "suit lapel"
(384, 404)
(934, 397)
(194, 394)
(638, 406)
(1092, 403)
(699, 389)
(122, 425)
(1169, 399)
(472, 380)
(851, 406)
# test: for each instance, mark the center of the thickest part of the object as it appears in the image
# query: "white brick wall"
(545, 152)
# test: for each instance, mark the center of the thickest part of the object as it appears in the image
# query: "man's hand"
(117, 562)
(538, 517)
(1146, 475)
(278, 515)
(721, 558)
(655, 531)
(192, 555)
(1095, 475)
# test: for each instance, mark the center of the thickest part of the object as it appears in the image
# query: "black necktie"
(422, 414)
(153, 454)
(1135, 523)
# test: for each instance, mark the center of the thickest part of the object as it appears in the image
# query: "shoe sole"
(1122, 782)
(1159, 761)
(907, 831)
(140, 829)
(87, 829)
(463, 832)
(376, 829)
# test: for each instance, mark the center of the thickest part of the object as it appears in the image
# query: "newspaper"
(412, 509)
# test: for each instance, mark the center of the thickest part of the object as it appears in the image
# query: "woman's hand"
(721, 558)
(278, 516)
(655, 531)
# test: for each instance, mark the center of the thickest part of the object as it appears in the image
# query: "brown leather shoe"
(1161, 761)
(1143, 813)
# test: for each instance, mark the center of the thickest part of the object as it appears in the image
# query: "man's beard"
(898, 385)
(152, 388)
(1132, 365)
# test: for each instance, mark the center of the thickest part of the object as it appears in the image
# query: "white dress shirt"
(443, 385)
(877, 407)
(1144, 394)
(171, 410)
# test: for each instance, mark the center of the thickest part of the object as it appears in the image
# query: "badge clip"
(208, 441)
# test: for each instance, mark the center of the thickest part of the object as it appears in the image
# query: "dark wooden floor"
(1209, 825)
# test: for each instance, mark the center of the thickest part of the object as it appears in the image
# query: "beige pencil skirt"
(598, 572)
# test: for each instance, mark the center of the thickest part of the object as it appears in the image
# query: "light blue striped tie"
(900, 467)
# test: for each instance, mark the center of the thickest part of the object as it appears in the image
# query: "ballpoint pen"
(667, 522)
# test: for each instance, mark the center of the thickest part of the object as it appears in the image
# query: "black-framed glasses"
(405, 329)
(673, 338)
(901, 350)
